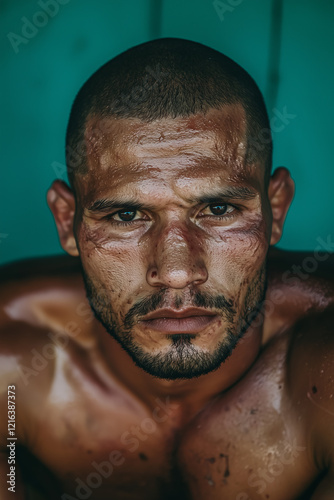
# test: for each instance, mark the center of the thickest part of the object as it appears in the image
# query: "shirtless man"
(206, 371)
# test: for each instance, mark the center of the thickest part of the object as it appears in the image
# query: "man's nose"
(177, 260)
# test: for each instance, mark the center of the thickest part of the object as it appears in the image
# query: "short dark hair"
(168, 77)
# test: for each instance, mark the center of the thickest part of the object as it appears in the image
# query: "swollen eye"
(127, 215)
(218, 209)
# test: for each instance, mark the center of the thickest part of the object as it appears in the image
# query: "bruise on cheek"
(105, 258)
(251, 230)
(242, 249)
(250, 247)
(93, 236)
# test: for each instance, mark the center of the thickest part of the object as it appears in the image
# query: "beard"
(181, 359)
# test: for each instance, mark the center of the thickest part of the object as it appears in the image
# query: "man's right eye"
(125, 215)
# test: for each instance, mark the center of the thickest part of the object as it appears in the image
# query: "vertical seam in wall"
(155, 19)
(273, 77)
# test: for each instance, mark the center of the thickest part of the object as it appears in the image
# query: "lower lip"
(191, 324)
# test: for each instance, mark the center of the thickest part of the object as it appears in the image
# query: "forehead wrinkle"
(168, 149)
(165, 131)
(135, 159)
(218, 137)
(196, 159)
(148, 148)
(227, 123)
(204, 167)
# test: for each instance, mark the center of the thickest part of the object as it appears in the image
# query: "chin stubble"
(181, 359)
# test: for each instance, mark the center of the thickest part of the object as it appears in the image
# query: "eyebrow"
(236, 193)
(231, 193)
(106, 205)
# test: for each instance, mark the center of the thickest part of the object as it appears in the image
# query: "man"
(206, 371)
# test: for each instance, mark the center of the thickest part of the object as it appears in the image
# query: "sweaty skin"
(90, 423)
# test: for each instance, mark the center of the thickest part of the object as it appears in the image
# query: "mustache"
(155, 301)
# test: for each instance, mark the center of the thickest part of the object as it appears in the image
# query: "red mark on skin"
(153, 274)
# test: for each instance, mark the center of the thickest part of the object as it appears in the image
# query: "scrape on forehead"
(114, 141)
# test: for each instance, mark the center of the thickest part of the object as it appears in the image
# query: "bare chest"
(250, 443)
(96, 448)
(246, 444)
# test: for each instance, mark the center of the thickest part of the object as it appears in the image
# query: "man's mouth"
(191, 320)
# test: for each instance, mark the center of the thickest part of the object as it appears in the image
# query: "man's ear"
(61, 201)
(280, 192)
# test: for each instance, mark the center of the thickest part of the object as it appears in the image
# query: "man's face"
(173, 231)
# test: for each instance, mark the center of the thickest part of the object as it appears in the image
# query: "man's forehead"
(184, 155)
(123, 152)
(123, 141)
(129, 153)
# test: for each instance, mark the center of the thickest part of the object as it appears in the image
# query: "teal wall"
(287, 46)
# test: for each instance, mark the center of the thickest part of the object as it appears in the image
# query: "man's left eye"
(218, 209)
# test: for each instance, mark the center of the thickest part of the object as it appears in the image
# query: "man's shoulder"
(42, 313)
(310, 376)
(310, 360)
(302, 268)
(285, 403)
(298, 283)
(21, 360)
(34, 270)
(40, 294)
(25, 279)
(295, 371)
(40, 303)
(311, 346)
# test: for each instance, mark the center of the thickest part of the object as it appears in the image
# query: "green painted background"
(287, 46)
